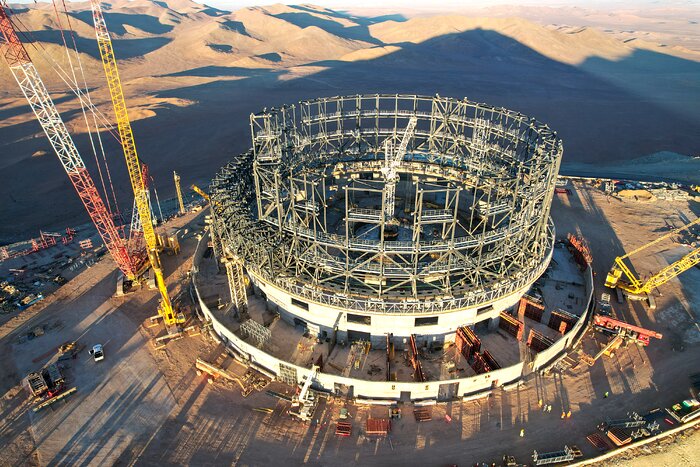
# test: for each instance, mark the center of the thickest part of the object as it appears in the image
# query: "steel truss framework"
(305, 207)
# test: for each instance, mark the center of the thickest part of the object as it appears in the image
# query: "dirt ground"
(670, 452)
(146, 406)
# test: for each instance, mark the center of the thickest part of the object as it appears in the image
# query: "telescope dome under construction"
(363, 215)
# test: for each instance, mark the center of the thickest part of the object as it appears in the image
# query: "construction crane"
(200, 192)
(638, 287)
(622, 332)
(306, 401)
(31, 85)
(176, 177)
(637, 334)
(138, 186)
(608, 349)
(392, 160)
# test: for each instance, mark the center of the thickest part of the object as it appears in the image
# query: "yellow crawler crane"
(636, 286)
(116, 92)
(176, 177)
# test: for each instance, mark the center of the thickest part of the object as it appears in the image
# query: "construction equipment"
(637, 288)
(607, 349)
(176, 177)
(200, 192)
(47, 384)
(392, 160)
(307, 399)
(165, 310)
(36, 383)
(52, 400)
(622, 332)
(629, 331)
(685, 411)
(31, 85)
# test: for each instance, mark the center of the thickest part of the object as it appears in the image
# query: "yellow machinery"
(636, 286)
(607, 349)
(132, 162)
(200, 192)
(176, 177)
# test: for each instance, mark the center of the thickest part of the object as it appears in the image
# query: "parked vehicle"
(97, 352)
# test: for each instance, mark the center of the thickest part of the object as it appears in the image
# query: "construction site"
(380, 279)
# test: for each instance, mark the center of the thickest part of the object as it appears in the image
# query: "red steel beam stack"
(417, 370)
(378, 426)
(538, 342)
(479, 364)
(490, 361)
(467, 342)
(511, 325)
(561, 319)
(343, 429)
(579, 248)
(531, 308)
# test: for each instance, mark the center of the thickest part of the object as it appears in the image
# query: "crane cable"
(87, 91)
(94, 116)
(37, 45)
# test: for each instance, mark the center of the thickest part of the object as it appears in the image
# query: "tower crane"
(392, 160)
(639, 287)
(31, 85)
(176, 177)
(138, 186)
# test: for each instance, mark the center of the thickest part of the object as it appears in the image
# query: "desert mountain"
(192, 74)
(154, 37)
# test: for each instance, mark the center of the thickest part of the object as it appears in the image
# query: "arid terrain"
(616, 86)
(619, 86)
(143, 406)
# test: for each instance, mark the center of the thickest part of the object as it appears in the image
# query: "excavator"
(637, 288)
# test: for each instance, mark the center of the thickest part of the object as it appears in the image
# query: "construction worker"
(563, 415)
(522, 432)
(539, 403)
(606, 394)
(568, 414)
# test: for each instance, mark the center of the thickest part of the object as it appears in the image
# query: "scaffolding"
(236, 283)
(256, 331)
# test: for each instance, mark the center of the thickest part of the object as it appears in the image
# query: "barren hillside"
(193, 73)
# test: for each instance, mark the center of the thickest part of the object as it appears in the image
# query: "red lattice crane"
(29, 81)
